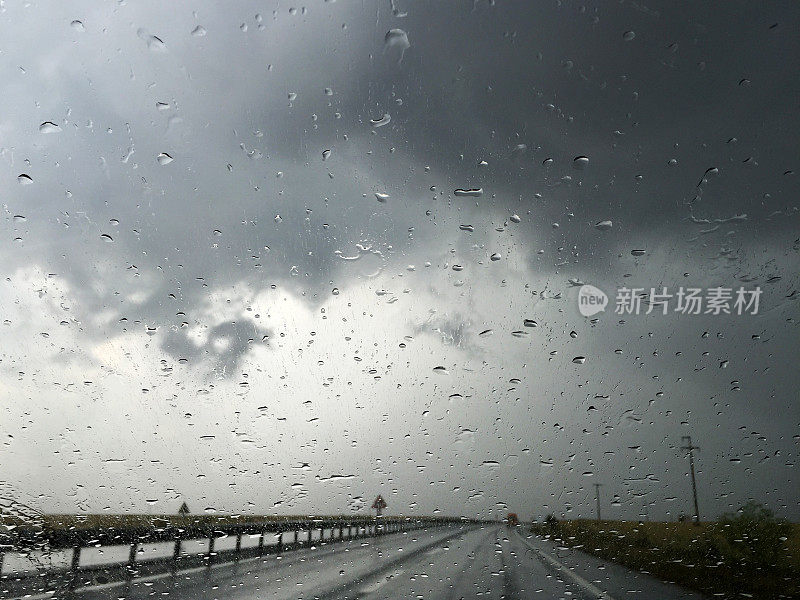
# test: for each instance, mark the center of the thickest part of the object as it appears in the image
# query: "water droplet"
(164, 158)
(153, 42)
(106, 238)
(24, 179)
(580, 162)
(335, 291)
(458, 268)
(496, 256)
(468, 192)
(396, 39)
(49, 127)
(530, 323)
(709, 171)
(486, 333)
(579, 360)
(326, 154)
(328, 92)
(628, 36)
(603, 225)
(382, 197)
(519, 333)
(466, 228)
(77, 25)
(292, 96)
(441, 371)
(573, 334)
(515, 218)
(382, 121)
(199, 31)
(638, 252)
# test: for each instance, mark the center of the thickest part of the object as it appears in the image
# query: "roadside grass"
(56, 522)
(710, 557)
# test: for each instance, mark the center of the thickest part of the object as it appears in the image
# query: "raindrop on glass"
(49, 127)
(603, 225)
(580, 162)
(382, 121)
(468, 192)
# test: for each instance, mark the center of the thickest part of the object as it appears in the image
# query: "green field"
(722, 559)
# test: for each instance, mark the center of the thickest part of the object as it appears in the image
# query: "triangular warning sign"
(184, 509)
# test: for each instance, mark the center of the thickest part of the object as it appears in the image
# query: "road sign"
(379, 504)
(183, 510)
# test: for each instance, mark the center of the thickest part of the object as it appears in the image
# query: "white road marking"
(577, 579)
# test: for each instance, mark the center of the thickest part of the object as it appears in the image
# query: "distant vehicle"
(512, 520)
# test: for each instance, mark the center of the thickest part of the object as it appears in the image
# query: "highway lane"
(450, 564)
(497, 563)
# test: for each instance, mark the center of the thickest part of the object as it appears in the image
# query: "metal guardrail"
(300, 536)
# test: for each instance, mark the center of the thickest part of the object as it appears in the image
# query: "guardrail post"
(261, 544)
(279, 546)
(132, 558)
(322, 533)
(210, 549)
(176, 554)
(73, 574)
(341, 536)
(296, 536)
(309, 535)
(238, 544)
(76, 558)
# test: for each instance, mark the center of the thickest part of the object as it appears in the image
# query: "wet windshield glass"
(511, 282)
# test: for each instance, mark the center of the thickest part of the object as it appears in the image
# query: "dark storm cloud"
(231, 128)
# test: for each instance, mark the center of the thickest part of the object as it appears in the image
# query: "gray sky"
(246, 327)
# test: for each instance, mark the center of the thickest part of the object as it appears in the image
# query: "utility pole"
(597, 498)
(690, 447)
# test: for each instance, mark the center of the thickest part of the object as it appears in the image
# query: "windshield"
(391, 299)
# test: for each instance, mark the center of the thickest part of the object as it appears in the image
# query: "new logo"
(591, 300)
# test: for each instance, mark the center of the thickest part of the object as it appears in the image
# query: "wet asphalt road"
(450, 564)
